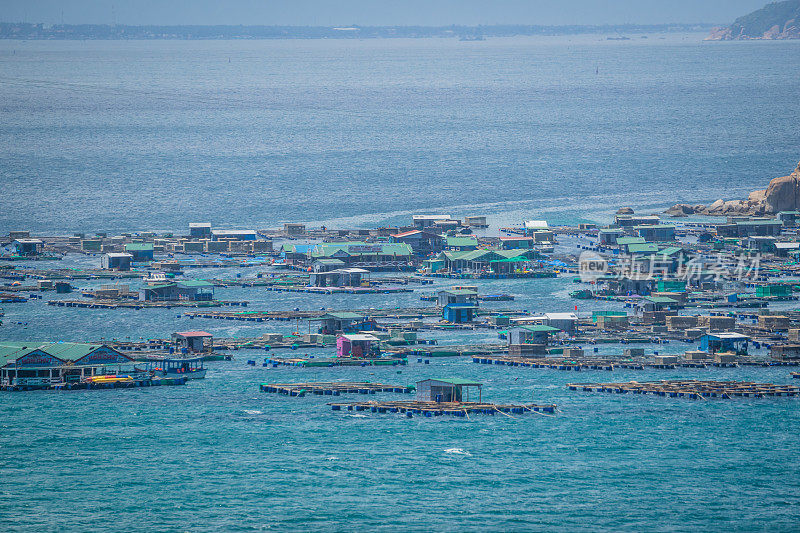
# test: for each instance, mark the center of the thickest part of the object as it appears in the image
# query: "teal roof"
(67, 351)
(461, 241)
(630, 240)
(642, 248)
(460, 292)
(518, 252)
(139, 247)
(660, 299)
(670, 250)
(474, 255)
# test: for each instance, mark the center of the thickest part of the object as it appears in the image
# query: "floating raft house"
(692, 389)
(436, 397)
(332, 388)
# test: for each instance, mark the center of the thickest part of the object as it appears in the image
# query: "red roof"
(407, 233)
(193, 334)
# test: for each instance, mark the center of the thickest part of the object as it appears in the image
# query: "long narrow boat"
(188, 367)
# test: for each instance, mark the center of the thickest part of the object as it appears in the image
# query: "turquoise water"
(126, 136)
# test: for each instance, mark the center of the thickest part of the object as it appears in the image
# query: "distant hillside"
(779, 20)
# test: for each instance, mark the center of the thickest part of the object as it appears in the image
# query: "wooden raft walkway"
(135, 304)
(693, 389)
(576, 365)
(332, 388)
(429, 409)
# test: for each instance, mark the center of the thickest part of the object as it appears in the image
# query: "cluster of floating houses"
(725, 289)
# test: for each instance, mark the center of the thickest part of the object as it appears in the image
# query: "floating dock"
(88, 385)
(692, 389)
(332, 388)
(429, 409)
(330, 361)
(135, 304)
(577, 365)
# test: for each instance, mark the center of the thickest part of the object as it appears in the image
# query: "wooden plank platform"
(334, 388)
(693, 389)
(429, 409)
(135, 304)
(576, 365)
(329, 361)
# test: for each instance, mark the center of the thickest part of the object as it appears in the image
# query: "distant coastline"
(31, 31)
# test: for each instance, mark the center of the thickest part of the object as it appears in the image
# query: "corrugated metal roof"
(66, 351)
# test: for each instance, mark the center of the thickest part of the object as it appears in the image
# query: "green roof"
(67, 351)
(660, 299)
(642, 248)
(630, 240)
(670, 250)
(461, 241)
(518, 259)
(324, 261)
(540, 328)
(460, 292)
(518, 252)
(139, 247)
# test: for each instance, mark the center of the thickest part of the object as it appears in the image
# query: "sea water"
(127, 136)
(139, 135)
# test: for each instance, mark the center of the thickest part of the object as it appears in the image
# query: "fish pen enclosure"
(430, 409)
(692, 389)
(332, 388)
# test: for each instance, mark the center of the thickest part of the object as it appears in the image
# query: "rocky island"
(778, 20)
(782, 194)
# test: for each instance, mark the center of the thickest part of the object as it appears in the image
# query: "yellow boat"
(109, 379)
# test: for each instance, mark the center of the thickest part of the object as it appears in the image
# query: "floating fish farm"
(332, 388)
(430, 409)
(692, 389)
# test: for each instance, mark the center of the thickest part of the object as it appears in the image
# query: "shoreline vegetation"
(41, 31)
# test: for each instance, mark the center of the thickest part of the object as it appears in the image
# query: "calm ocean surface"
(127, 136)
(122, 136)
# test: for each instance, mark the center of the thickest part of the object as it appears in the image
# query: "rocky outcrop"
(625, 211)
(782, 194)
(779, 20)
